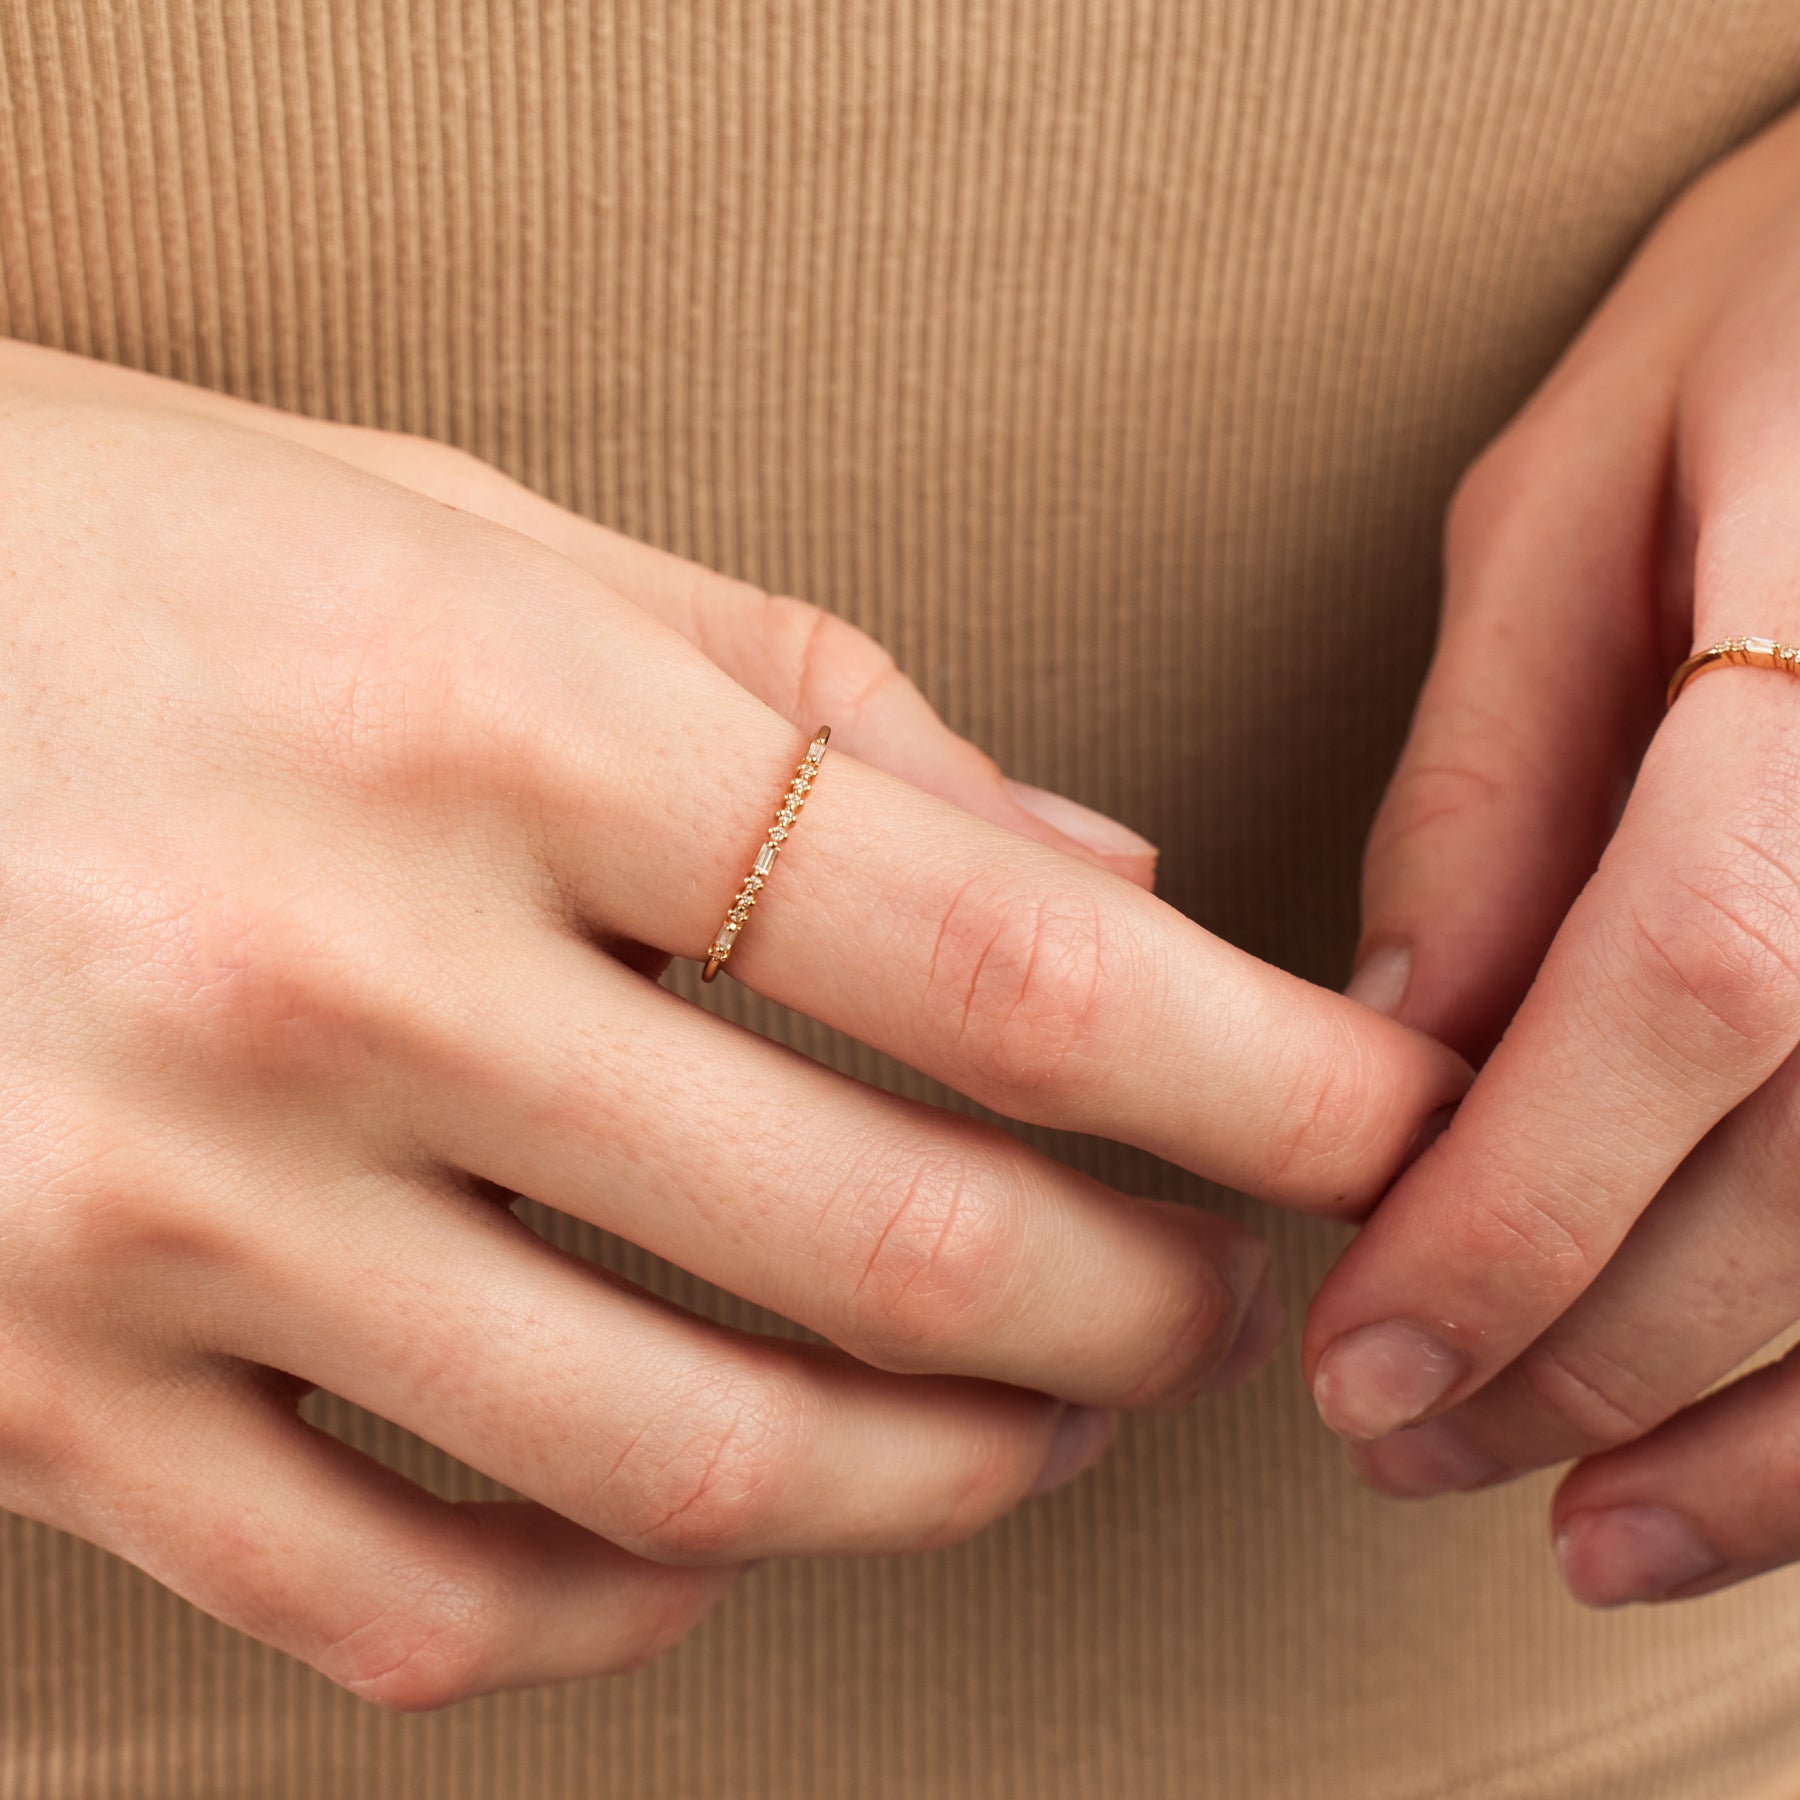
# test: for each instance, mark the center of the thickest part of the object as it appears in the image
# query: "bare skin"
(355, 799)
(1607, 1231)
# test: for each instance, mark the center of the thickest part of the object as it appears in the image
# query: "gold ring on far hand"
(1745, 652)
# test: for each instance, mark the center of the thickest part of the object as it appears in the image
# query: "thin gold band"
(718, 952)
(1745, 652)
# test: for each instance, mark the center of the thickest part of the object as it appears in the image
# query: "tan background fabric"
(1112, 362)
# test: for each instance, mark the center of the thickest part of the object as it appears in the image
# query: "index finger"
(1043, 987)
(1671, 993)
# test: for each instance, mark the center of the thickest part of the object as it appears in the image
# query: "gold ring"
(719, 951)
(1748, 652)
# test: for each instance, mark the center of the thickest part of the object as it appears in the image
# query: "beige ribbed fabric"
(1111, 361)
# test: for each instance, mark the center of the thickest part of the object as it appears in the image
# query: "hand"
(1608, 1227)
(354, 801)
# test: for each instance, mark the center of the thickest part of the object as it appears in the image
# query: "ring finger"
(916, 1238)
(410, 1601)
(673, 1437)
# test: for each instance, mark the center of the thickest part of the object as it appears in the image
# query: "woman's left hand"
(1611, 1224)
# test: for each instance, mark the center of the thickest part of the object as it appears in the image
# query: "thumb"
(1544, 686)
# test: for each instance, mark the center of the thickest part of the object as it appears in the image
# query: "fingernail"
(1259, 1335)
(1433, 1127)
(1617, 1554)
(1080, 1439)
(1095, 830)
(1379, 1377)
(1381, 977)
(1433, 1458)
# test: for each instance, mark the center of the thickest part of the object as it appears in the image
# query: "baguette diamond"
(719, 950)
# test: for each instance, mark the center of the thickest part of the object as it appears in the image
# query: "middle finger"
(674, 1437)
(914, 1237)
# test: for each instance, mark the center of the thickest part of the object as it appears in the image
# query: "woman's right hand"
(346, 831)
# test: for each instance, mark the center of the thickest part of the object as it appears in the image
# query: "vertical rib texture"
(1111, 361)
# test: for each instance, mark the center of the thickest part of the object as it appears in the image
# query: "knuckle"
(1174, 1366)
(1723, 942)
(989, 1483)
(107, 1203)
(452, 466)
(413, 685)
(675, 1609)
(1489, 505)
(445, 472)
(370, 702)
(842, 669)
(1428, 789)
(1033, 984)
(1477, 503)
(428, 1647)
(144, 1225)
(705, 1483)
(1769, 1394)
(1778, 1460)
(934, 1255)
(1592, 1406)
(1324, 1131)
(37, 1433)
(1536, 1245)
(670, 1606)
(268, 975)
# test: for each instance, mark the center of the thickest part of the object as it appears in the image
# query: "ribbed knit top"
(1111, 360)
